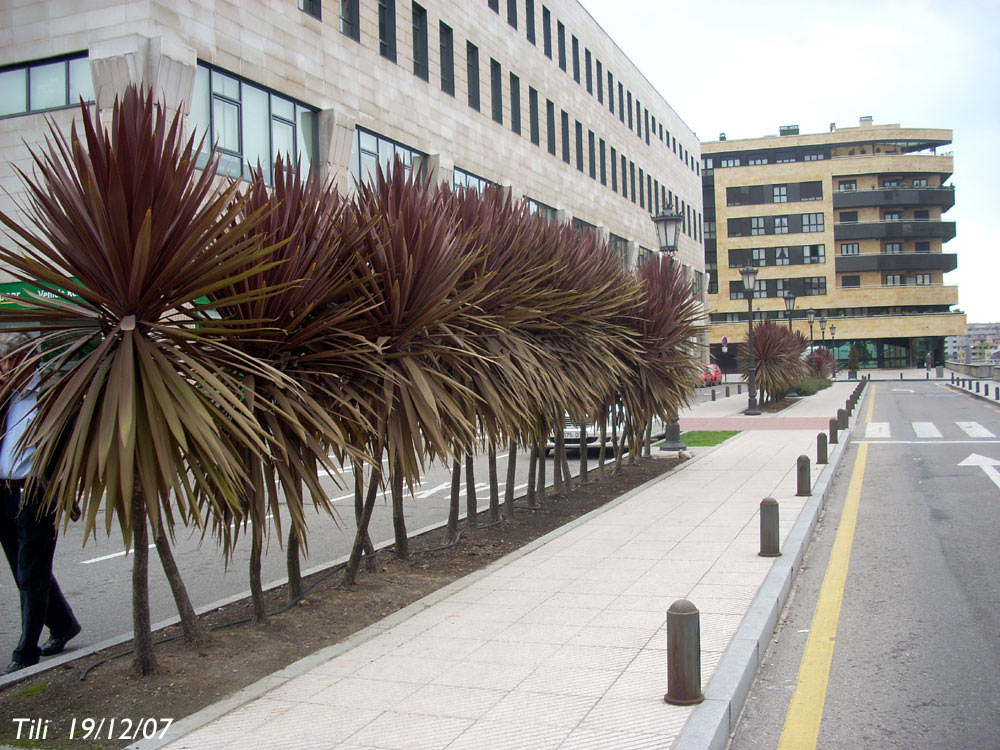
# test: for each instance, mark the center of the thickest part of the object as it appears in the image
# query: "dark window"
(529, 20)
(496, 91)
(848, 217)
(420, 69)
(604, 165)
(561, 41)
(512, 13)
(642, 189)
(624, 177)
(533, 115)
(472, 73)
(494, 5)
(547, 32)
(576, 59)
(631, 175)
(515, 104)
(611, 93)
(645, 115)
(599, 75)
(349, 19)
(621, 102)
(588, 69)
(313, 7)
(592, 153)
(447, 58)
(921, 215)
(629, 94)
(579, 146)
(565, 136)
(850, 281)
(550, 126)
(387, 29)
(922, 247)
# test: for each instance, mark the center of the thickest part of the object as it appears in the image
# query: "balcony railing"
(908, 229)
(903, 195)
(896, 262)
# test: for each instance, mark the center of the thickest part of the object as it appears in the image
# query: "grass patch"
(33, 690)
(811, 384)
(706, 438)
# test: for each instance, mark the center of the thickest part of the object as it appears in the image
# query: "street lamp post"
(822, 328)
(811, 316)
(789, 308)
(668, 223)
(833, 346)
(749, 274)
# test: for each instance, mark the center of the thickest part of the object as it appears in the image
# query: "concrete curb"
(255, 690)
(981, 396)
(710, 724)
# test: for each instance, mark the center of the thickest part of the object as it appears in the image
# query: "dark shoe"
(56, 644)
(16, 666)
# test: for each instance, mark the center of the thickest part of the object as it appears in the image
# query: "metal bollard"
(900, 376)
(769, 528)
(842, 419)
(804, 478)
(739, 388)
(713, 394)
(997, 392)
(683, 655)
(821, 451)
(833, 431)
(727, 391)
(928, 375)
(977, 386)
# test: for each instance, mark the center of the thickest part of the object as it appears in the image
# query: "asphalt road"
(917, 647)
(96, 577)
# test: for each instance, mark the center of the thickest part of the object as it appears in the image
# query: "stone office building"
(851, 222)
(529, 94)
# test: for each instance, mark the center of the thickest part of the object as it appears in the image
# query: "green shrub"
(807, 386)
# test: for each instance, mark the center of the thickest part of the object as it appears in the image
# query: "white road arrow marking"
(988, 465)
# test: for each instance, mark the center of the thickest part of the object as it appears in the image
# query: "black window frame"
(533, 128)
(421, 61)
(349, 19)
(472, 74)
(514, 84)
(446, 39)
(387, 29)
(496, 91)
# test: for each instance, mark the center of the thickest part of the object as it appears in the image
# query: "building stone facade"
(529, 94)
(851, 222)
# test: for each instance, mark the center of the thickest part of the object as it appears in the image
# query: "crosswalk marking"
(974, 430)
(926, 430)
(877, 430)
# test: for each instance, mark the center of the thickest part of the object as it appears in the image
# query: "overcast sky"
(744, 68)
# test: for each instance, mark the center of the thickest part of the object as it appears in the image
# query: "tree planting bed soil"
(193, 676)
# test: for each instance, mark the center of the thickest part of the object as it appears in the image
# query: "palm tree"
(130, 239)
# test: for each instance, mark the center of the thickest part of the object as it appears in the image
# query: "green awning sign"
(24, 288)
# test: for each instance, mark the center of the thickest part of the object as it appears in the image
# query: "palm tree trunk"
(398, 520)
(359, 506)
(647, 448)
(191, 626)
(617, 444)
(491, 456)
(256, 588)
(365, 517)
(143, 658)
(604, 441)
(529, 495)
(293, 567)
(567, 476)
(540, 478)
(508, 489)
(583, 454)
(471, 504)
(454, 506)
(557, 475)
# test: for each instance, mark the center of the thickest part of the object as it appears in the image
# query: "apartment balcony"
(895, 230)
(884, 295)
(888, 262)
(943, 197)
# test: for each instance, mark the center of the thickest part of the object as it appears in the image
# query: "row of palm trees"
(209, 351)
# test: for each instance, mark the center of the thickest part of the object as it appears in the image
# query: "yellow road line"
(805, 712)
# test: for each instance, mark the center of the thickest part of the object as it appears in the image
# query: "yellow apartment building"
(851, 223)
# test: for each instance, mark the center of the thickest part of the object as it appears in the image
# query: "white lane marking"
(877, 430)
(974, 430)
(107, 557)
(928, 442)
(987, 464)
(427, 493)
(926, 430)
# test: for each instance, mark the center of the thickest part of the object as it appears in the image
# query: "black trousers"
(30, 543)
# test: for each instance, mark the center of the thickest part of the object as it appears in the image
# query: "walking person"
(29, 539)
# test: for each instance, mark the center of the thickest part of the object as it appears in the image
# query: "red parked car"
(710, 375)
